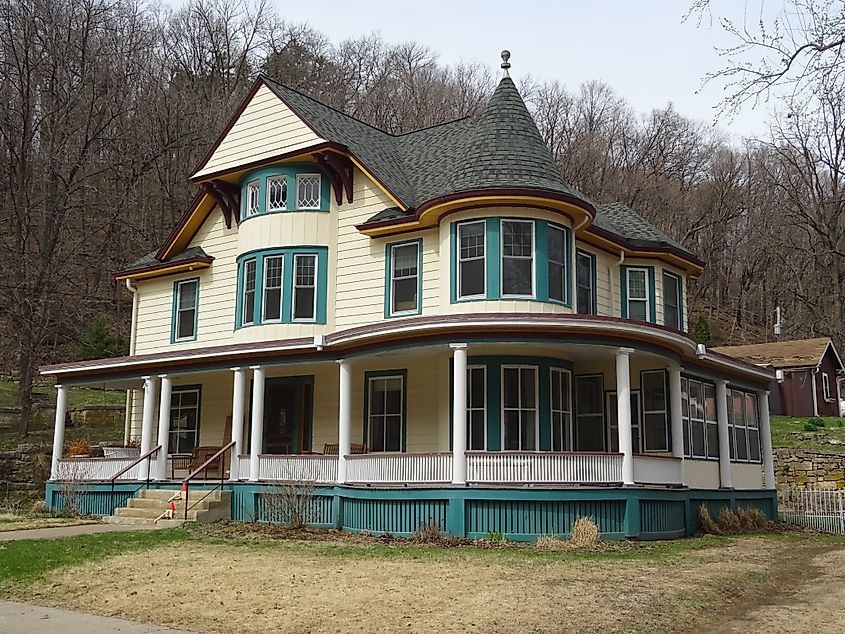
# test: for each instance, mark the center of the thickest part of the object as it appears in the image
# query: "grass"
(77, 396)
(790, 433)
(19, 521)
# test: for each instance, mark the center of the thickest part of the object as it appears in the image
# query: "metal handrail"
(146, 456)
(204, 467)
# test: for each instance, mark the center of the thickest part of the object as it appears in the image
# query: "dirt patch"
(316, 587)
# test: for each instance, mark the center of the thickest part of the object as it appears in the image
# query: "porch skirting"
(518, 513)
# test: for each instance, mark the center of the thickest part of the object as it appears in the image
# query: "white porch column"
(150, 389)
(623, 412)
(459, 413)
(677, 416)
(256, 438)
(766, 441)
(238, 395)
(59, 430)
(344, 418)
(724, 437)
(163, 426)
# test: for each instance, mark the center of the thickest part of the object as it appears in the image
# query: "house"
(427, 327)
(808, 373)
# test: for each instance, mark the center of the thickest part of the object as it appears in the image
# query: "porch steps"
(152, 503)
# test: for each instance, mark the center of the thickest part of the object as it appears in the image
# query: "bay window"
(558, 248)
(304, 287)
(277, 193)
(273, 288)
(517, 258)
(308, 191)
(672, 301)
(253, 206)
(248, 292)
(471, 265)
(585, 275)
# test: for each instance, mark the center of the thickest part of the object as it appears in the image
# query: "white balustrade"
(96, 469)
(658, 470)
(296, 468)
(400, 468)
(543, 468)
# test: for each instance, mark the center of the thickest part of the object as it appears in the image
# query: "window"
(476, 408)
(698, 408)
(304, 287)
(277, 193)
(273, 288)
(557, 264)
(685, 413)
(385, 412)
(826, 386)
(252, 204)
(471, 269)
(561, 409)
(519, 408)
(585, 271)
(184, 419)
(185, 310)
(613, 422)
(404, 283)
(710, 421)
(744, 426)
(589, 416)
(517, 258)
(696, 420)
(248, 299)
(655, 411)
(308, 191)
(672, 301)
(638, 296)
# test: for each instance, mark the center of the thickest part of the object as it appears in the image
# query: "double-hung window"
(273, 267)
(825, 386)
(477, 408)
(385, 411)
(304, 287)
(517, 258)
(672, 301)
(744, 426)
(589, 417)
(277, 193)
(308, 191)
(519, 408)
(471, 268)
(698, 407)
(557, 264)
(655, 411)
(185, 310)
(252, 202)
(711, 421)
(404, 278)
(638, 300)
(248, 293)
(585, 271)
(561, 409)
(184, 419)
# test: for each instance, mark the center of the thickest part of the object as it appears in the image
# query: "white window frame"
(826, 386)
(520, 409)
(665, 411)
(564, 263)
(300, 177)
(678, 286)
(294, 286)
(253, 210)
(482, 257)
(483, 408)
(180, 309)
(567, 440)
(283, 180)
(264, 288)
(393, 278)
(648, 298)
(370, 381)
(502, 256)
(692, 417)
(244, 291)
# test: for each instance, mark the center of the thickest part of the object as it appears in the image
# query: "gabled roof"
(795, 353)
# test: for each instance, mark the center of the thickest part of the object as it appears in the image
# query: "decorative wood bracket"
(338, 169)
(228, 198)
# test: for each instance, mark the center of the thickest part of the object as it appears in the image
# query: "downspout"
(815, 396)
(127, 418)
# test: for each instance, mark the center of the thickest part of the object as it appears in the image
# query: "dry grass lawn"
(10, 521)
(288, 586)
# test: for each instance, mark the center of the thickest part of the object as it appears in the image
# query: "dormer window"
(308, 191)
(252, 200)
(277, 193)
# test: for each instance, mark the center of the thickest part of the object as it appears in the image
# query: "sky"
(643, 49)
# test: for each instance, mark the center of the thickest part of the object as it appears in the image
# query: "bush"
(549, 544)
(701, 331)
(584, 533)
(705, 522)
(728, 522)
(809, 426)
(751, 519)
(816, 421)
(78, 447)
(839, 422)
(428, 533)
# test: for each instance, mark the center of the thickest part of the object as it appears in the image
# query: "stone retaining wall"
(796, 468)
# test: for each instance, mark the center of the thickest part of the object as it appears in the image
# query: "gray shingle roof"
(621, 220)
(150, 260)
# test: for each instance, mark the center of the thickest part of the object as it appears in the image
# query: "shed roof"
(795, 353)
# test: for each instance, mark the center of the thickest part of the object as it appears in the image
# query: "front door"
(287, 415)
(613, 425)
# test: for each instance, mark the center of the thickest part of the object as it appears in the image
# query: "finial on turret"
(506, 55)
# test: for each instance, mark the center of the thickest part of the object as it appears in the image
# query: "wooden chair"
(190, 462)
(333, 448)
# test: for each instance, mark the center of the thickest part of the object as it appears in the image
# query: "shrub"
(289, 503)
(706, 523)
(78, 447)
(728, 522)
(584, 533)
(751, 519)
(549, 544)
(838, 422)
(809, 426)
(816, 421)
(701, 331)
(427, 533)
(39, 508)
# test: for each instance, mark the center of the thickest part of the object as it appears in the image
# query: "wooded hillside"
(106, 106)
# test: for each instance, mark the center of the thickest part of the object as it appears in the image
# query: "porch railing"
(294, 468)
(657, 470)
(523, 467)
(399, 468)
(98, 469)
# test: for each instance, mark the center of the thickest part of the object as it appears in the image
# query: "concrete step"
(160, 505)
(143, 521)
(193, 494)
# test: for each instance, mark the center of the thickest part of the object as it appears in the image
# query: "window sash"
(272, 300)
(521, 416)
(471, 250)
(248, 293)
(560, 407)
(184, 420)
(557, 264)
(584, 284)
(657, 409)
(277, 193)
(385, 413)
(308, 191)
(252, 199)
(671, 306)
(639, 301)
(589, 421)
(404, 278)
(476, 408)
(186, 310)
(514, 261)
(304, 287)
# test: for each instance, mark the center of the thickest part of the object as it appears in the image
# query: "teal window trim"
(176, 389)
(175, 310)
(594, 282)
(536, 293)
(388, 278)
(623, 288)
(288, 254)
(290, 171)
(680, 281)
(380, 374)
(543, 232)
